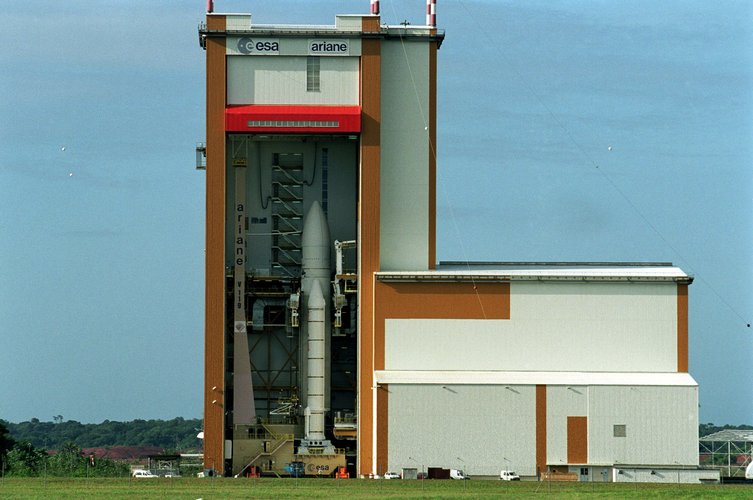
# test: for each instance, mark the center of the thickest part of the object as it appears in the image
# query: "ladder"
(287, 214)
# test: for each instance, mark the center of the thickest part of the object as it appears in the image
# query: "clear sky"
(568, 131)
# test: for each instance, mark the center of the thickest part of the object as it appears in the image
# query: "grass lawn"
(211, 488)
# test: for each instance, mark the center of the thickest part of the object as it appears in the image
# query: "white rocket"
(315, 268)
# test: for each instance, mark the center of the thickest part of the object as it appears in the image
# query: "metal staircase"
(287, 214)
(273, 443)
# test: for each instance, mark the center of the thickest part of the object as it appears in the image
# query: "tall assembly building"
(333, 339)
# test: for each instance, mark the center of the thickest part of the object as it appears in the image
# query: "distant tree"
(26, 460)
(6, 444)
(66, 462)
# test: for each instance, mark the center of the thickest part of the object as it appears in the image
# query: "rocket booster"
(315, 312)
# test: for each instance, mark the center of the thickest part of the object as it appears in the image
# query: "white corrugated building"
(570, 367)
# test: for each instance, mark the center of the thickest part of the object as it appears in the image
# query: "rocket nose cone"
(316, 297)
(315, 230)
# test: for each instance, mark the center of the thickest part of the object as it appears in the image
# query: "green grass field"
(216, 488)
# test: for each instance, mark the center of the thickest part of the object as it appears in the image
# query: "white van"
(143, 473)
(508, 475)
(457, 474)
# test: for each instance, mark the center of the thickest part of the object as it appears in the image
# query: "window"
(620, 430)
(312, 74)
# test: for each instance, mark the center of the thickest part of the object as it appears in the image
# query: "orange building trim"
(370, 24)
(214, 319)
(432, 156)
(368, 239)
(427, 300)
(577, 440)
(382, 415)
(682, 328)
(540, 429)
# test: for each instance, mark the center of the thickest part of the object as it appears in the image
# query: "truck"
(440, 473)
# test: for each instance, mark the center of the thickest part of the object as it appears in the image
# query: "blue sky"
(101, 243)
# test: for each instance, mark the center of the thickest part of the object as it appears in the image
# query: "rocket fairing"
(315, 247)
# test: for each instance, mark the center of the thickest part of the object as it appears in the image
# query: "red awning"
(293, 119)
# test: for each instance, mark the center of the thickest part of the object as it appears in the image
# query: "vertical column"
(432, 155)
(540, 429)
(214, 320)
(244, 410)
(368, 240)
(682, 328)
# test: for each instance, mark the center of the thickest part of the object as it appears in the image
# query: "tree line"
(178, 434)
(23, 459)
(25, 447)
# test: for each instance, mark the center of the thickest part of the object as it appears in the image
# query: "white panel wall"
(480, 429)
(404, 169)
(562, 402)
(483, 429)
(661, 425)
(622, 327)
(282, 80)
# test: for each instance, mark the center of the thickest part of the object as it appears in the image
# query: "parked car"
(391, 475)
(508, 475)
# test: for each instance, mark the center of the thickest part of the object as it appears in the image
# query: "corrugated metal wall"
(562, 402)
(480, 429)
(404, 205)
(484, 429)
(661, 425)
(282, 80)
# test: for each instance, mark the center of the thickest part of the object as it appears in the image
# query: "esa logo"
(250, 46)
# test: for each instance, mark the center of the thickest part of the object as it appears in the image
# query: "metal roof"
(543, 271)
(731, 435)
(533, 378)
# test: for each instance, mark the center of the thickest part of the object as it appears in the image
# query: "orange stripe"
(540, 429)
(368, 246)
(433, 155)
(440, 301)
(214, 326)
(382, 427)
(577, 440)
(370, 24)
(682, 328)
